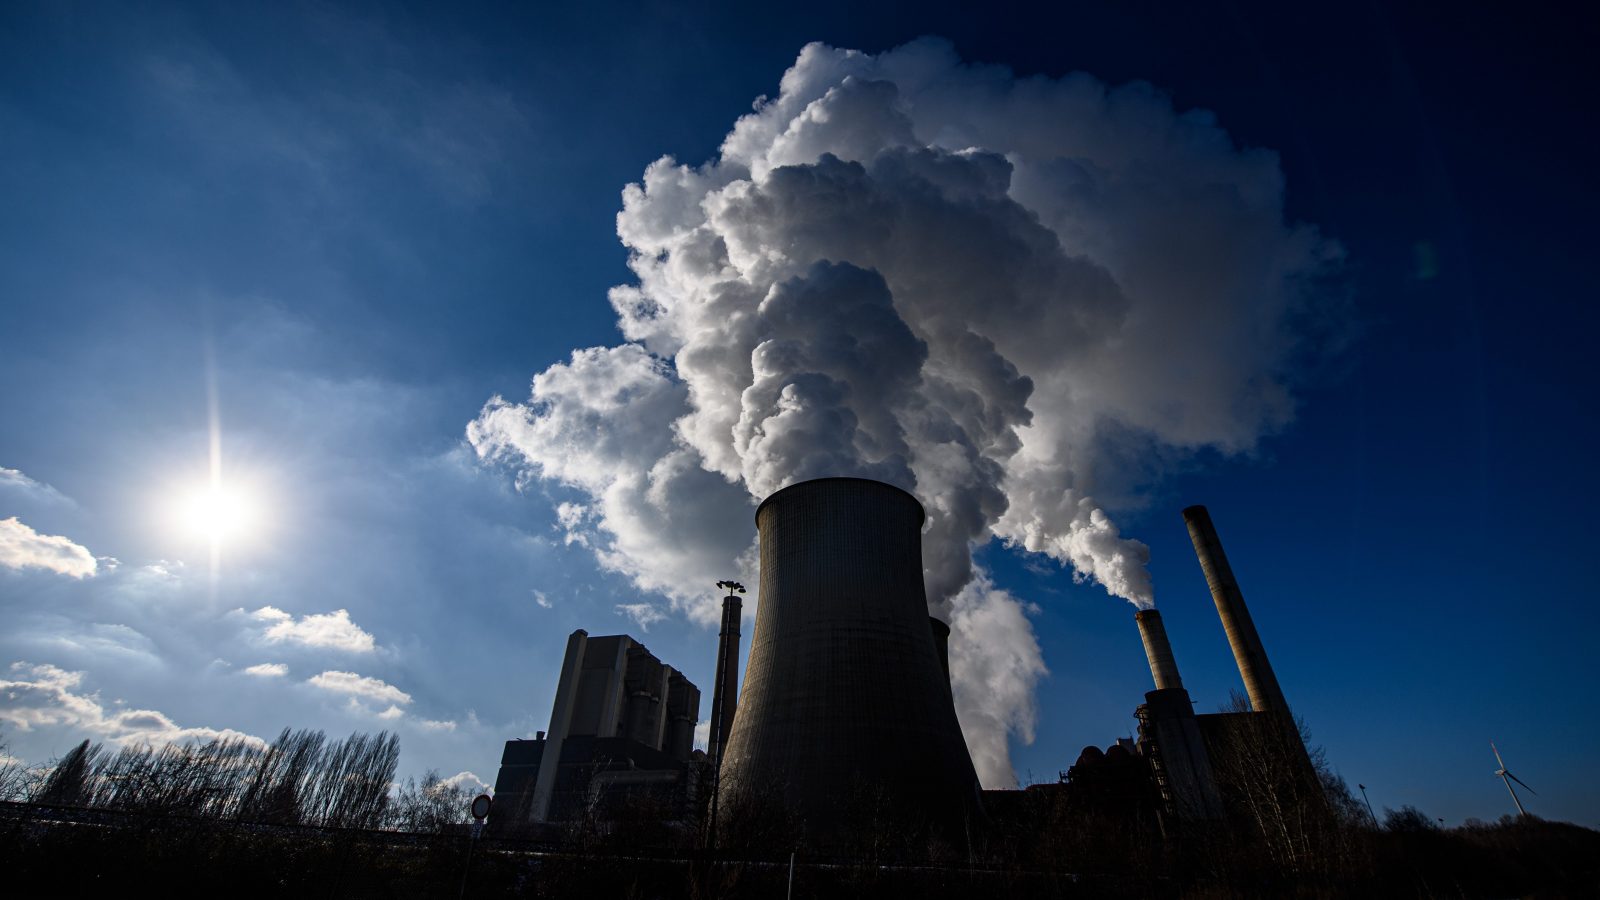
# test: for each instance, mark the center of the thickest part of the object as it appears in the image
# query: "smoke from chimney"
(1006, 296)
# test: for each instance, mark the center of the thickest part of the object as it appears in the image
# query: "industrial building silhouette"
(846, 702)
(623, 725)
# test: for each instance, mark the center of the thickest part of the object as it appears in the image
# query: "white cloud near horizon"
(362, 687)
(23, 548)
(267, 670)
(333, 630)
(42, 695)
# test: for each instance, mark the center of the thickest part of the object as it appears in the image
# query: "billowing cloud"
(602, 423)
(994, 668)
(38, 696)
(361, 687)
(267, 670)
(1009, 296)
(21, 548)
(333, 630)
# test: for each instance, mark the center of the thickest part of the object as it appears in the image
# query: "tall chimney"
(1259, 681)
(725, 688)
(1156, 648)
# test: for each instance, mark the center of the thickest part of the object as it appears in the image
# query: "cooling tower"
(1259, 681)
(845, 700)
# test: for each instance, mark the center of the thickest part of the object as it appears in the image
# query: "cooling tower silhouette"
(845, 698)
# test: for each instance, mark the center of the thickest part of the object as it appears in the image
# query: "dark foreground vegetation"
(316, 818)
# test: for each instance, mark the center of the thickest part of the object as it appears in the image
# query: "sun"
(219, 513)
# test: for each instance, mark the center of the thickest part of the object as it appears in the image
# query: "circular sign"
(480, 806)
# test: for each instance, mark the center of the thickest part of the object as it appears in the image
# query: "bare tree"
(69, 782)
(1273, 782)
(1408, 819)
(299, 779)
(430, 807)
(351, 787)
(282, 778)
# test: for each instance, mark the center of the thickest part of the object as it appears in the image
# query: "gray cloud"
(43, 696)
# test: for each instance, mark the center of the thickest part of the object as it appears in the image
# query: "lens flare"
(219, 513)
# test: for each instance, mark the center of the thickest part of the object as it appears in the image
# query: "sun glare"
(219, 513)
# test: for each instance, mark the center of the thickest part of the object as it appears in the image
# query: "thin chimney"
(725, 687)
(1163, 668)
(1259, 681)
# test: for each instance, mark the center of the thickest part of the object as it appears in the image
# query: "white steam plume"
(945, 277)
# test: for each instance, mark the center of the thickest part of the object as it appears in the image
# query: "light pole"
(1369, 805)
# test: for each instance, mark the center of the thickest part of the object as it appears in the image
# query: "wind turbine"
(1506, 776)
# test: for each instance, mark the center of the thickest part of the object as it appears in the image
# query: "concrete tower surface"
(1259, 680)
(1158, 650)
(844, 695)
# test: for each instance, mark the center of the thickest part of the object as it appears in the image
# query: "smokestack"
(1156, 648)
(1170, 734)
(725, 688)
(844, 694)
(1259, 681)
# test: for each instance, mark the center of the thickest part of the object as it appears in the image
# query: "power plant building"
(847, 700)
(1201, 764)
(622, 727)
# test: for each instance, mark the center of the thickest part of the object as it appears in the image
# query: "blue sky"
(357, 224)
